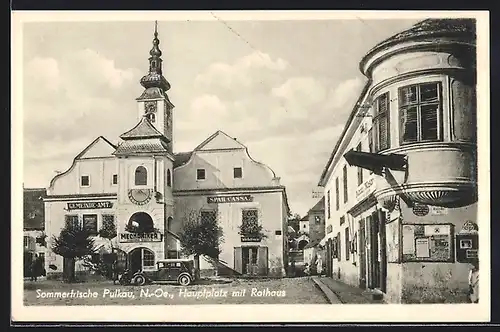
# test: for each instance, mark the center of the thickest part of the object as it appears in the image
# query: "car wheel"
(140, 280)
(184, 280)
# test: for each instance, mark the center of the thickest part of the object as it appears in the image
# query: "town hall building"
(148, 192)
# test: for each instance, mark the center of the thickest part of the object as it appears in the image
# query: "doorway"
(362, 254)
(251, 260)
(376, 245)
(139, 258)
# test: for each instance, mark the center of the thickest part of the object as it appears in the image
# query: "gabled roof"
(220, 140)
(143, 130)
(146, 146)
(34, 210)
(100, 147)
(320, 206)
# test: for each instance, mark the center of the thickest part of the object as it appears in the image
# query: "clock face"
(150, 106)
(139, 196)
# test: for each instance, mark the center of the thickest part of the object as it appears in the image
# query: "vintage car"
(179, 270)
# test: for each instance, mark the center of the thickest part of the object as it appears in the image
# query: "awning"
(376, 162)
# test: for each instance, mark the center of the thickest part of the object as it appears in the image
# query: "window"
(115, 178)
(108, 221)
(26, 241)
(169, 178)
(200, 174)
(151, 117)
(148, 258)
(381, 123)
(339, 247)
(370, 140)
(347, 244)
(337, 193)
(237, 172)
(420, 113)
(249, 218)
(90, 223)
(317, 219)
(360, 170)
(277, 232)
(344, 174)
(342, 220)
(71, 221)
(208, 216)
(141, 176)
(328, 203)
(304, 226)
(85, 181)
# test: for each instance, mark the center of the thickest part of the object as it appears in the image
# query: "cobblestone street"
(241, 291)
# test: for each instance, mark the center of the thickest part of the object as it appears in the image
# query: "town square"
(244, 162)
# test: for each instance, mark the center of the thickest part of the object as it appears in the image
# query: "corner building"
(401, 183)
(147, 191)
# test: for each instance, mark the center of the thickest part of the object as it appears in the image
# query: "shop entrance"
(251, 260)
(139, 258)
(376, 251)
(362, 254)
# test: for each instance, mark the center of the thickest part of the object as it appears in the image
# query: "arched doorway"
(140, 222)
(139, 258)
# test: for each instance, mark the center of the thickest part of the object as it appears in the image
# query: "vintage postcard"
(327, 166)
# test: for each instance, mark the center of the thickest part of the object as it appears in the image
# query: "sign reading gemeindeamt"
(90, 205)
(140, 237)
(230, 199)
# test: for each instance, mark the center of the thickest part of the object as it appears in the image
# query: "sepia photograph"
(216, 163)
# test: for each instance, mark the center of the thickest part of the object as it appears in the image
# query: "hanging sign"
(420, 210)
(469, 227)
(140, 237)
(230, 199)
(250, 239)
(90, 205)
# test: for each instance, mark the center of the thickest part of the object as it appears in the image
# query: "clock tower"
(154, 102)
(145, 172)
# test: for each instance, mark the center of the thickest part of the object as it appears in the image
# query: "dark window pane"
(383, 132)
(347, 251)
(345, 183)
(115, 179)
(408, 95)
(328, 203)
(237, 172)
(85, 180)
(90, 223)
(428, 92)
(370, 140)
(141, 176)
(169, 178)
(200, 174)
(72, 222)
(408, 129)
(429, 122)
(337, 194)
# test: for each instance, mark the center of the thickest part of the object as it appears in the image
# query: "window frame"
(147, 251)
(145, 173)
(418, 105)
(345, 184)
(81, 181)
(376, 146)
(337, 194)
(234, 173)
(204, 174)
(67, 216)
(96, 222)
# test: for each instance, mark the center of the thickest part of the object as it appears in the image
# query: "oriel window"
(381, 125)
(420, 113)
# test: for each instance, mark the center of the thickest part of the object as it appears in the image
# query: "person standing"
(35, 268)
(319, 265)
(474, 283)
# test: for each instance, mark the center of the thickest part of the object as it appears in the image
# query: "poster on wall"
(392, 242)
(428, 243)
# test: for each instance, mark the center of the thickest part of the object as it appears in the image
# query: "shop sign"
(420, 210)
(90, 205)
(140, 237)
(469, 227)
(365, 188)
(250, 239)
(438, 210)
(230, 199)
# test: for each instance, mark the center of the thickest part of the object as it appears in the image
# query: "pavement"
(338, 292)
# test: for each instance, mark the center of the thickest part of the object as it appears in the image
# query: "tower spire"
(155, 76)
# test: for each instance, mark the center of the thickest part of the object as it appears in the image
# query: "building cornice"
(225, 191)
(72, 197)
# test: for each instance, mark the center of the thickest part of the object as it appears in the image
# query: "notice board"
(427, 243)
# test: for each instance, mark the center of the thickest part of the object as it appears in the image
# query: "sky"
(282, 88)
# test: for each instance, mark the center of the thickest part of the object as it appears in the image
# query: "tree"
(73, 243)
(108, 231)
(201, 235)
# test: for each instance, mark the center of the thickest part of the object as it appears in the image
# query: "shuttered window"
(381, 126)
(420, 113)
(337, 192)
(346, 189)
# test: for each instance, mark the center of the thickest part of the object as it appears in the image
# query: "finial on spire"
(156, 28)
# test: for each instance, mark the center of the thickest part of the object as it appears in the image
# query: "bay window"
(420, 113)
(381, 125)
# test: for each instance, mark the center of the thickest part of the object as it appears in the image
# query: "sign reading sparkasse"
(140, 237)
(230, 199)
(90, 205)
